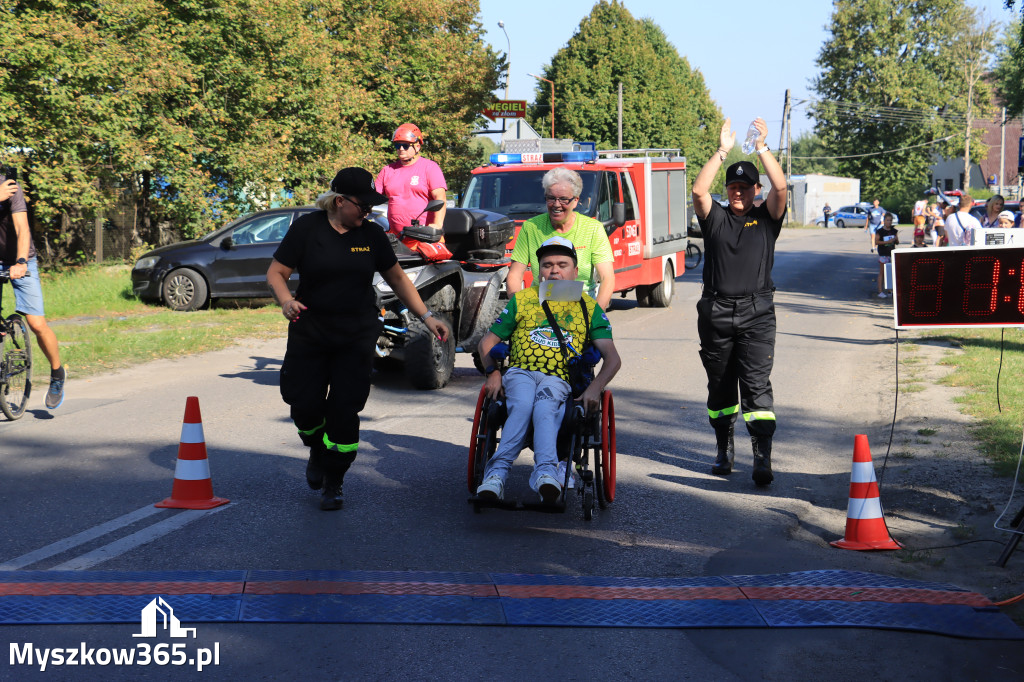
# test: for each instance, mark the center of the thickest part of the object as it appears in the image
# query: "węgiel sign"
(505, 108)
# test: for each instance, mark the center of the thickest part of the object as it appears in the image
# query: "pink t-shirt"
(408, 190)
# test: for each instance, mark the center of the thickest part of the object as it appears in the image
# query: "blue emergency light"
(546, 157)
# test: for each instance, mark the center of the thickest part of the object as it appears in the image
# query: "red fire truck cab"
(640, 196)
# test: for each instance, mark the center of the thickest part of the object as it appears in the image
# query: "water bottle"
(751, 141)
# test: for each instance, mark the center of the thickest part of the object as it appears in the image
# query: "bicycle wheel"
(15, 368)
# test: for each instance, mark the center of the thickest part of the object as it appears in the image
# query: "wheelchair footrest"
(518, 505)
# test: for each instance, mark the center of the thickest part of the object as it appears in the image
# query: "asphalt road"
(111, 449)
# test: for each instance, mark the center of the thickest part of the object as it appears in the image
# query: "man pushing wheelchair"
(547, 340)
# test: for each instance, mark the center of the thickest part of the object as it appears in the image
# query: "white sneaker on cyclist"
(549, 489)
(493, 488)
(55, 394)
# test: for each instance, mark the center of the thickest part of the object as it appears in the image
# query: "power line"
(882, 113)
(887, 151)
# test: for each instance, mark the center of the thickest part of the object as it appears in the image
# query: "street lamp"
(508, 57)
(552, 101)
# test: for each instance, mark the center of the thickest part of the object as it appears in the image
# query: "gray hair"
(325, 202)
(560, 175)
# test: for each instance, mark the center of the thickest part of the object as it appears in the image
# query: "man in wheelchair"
(537, 384)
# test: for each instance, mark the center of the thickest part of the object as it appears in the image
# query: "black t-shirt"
(886, 239)
(336, 270)
(739, 251)
(8, 235)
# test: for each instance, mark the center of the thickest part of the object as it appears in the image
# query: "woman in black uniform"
(325, 376)
(736, 311)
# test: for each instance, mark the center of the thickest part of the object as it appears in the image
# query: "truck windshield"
(519, 194)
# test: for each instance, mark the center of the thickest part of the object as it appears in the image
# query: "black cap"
(357, 183)
(742, 171)
(557, 245)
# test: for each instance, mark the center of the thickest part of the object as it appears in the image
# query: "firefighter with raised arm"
(736, 311)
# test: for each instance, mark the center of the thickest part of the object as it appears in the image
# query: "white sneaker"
(493, 488)
(549, 489)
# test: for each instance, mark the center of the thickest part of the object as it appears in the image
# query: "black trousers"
(325, 378)
(737, 348)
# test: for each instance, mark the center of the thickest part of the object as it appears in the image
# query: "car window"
(270, 228)
(846, 209)
(605, 197)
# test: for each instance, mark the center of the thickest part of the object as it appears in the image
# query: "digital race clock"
(967, 286)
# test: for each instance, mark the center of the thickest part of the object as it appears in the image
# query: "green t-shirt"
(587, 235)
(533, 344)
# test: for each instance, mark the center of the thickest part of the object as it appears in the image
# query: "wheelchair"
(586, 444)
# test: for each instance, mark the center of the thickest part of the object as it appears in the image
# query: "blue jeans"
(535, 396)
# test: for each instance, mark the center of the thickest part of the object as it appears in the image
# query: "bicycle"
(15, 360)
(693, 256)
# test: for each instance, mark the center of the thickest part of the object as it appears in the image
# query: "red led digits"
(926, 276)
(981, 297)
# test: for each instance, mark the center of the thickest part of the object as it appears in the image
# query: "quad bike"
(466, 292)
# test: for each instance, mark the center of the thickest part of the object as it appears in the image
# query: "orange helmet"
(407, 132)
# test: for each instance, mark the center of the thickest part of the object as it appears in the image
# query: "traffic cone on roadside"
(192, 488)
(865, 525)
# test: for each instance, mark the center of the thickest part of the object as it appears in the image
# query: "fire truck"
(639, 194)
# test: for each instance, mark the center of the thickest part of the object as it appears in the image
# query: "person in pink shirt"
(410, 182)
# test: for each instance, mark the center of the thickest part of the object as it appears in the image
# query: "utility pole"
(1002, 150)
(786, 111)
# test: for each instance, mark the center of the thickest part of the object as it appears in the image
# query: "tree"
(811, 156)
(890, 82)
(665, 103)
(1009, 71)
(195, 111)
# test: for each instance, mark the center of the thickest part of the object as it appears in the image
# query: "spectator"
(1005, 219)
(938, 231)
(960, 225)
(873, 222)
(18, 255)
(885, 240)
(993, 207)
(827, 212)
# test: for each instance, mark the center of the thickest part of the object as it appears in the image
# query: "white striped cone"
(865, 525)
(192, 487)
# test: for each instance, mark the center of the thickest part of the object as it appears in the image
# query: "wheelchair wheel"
(607, 448)
(475, 468)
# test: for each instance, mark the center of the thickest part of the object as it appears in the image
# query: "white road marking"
(80, 539)
(136, 539)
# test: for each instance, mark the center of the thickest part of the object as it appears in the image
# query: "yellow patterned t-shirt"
(533, 344)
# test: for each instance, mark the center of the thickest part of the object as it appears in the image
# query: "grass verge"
(976, 369)
(101, 326)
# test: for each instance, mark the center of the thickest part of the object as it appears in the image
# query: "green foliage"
(192, 112)
(902, 62)
(1009, 71)
(666, 104)
(810, 145)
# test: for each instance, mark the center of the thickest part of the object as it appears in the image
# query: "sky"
(749, 52)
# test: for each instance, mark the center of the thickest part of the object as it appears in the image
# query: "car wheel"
(661, 294)
(840, 224)
(185, 289)
(429, 362)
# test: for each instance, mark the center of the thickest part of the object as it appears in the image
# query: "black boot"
(726, 451)
(335, 464)
(314, 467)
(762, 474)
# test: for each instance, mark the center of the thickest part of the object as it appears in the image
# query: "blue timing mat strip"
(792, 600)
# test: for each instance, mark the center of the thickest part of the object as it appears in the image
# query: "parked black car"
(231, 262)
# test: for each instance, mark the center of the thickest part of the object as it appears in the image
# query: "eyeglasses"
(560, 200)
(358, 204)
(402, 145)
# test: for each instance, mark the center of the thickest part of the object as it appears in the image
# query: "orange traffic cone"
(865, 526)
(192, 488)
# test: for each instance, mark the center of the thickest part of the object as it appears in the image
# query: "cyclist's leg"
(28, 300)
